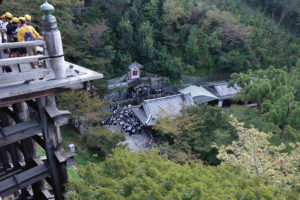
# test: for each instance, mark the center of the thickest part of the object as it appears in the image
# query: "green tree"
(145, 42)
(151, 10)
(288, 6)
(261, 85)
(125, 34)
(295, 81)
(175, 9)
(283, 111)
(102, 141)
(145, 176)
(190, 136)
(192, 48)
(86, 107)
(258, 158)
(18, 8)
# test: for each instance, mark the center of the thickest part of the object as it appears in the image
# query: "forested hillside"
(174, 37)
(186, 37)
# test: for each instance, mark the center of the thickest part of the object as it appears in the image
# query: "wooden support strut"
(19, 132)
(10, 152)
(48, 135)
(22, 180)
(29, 96)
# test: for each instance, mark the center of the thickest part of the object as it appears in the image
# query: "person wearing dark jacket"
(12, 32)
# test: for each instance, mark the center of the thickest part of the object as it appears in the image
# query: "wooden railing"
(21, 67)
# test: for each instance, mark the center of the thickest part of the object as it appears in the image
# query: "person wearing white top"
(3, 29)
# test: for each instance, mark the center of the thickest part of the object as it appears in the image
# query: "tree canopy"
(127, 175)
(258, 158)
(175, 37)
(274, 92)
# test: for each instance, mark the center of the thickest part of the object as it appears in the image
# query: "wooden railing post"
(52, 38)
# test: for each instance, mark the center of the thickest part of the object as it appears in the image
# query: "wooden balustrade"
(21, 66)
(22, 44)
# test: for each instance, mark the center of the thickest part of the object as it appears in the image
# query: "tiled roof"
(196, 91)
(222, 91)
(203, 99)
(139, 113)
(162, 107)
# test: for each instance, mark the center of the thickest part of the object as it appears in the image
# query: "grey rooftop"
(153, 109)
(222, 91)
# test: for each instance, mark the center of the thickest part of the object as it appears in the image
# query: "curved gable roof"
(133, 64)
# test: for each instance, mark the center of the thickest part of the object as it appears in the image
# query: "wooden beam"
(19, 132)
(8, 112)
(10, 173)
(32, 104)
(6, 121)
(38, 139)
(22, 44)
(21, 60)
(9, 101)
(53, 111)
(22, 180)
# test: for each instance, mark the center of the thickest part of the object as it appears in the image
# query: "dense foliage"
(102, 141)
(85, 107)
(192, 134)
(143, 176)
(274, 92)
(258, 158)
(19, 8)
(176, 37)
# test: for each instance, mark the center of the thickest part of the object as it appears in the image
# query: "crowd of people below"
(125, 118)
(17, 29)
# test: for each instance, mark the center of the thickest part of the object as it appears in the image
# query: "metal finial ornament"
(49, 21)
(47, 8)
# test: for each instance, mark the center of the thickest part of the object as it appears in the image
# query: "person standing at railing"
(12, 32)
(3, 25)
(25, 34)
(6, 21)
(28, 19)
(2, 21)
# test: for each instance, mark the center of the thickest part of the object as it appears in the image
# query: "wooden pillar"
(50, 145)
(4, 157)
(9, 153)
(22, 115)
(56, 136)
(29, 148)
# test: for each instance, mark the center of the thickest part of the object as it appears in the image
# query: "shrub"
(102, 141)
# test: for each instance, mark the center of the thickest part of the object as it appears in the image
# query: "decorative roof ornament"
(47, 8)
(49, 21)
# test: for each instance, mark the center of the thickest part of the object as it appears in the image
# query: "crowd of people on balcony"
(16, 29)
